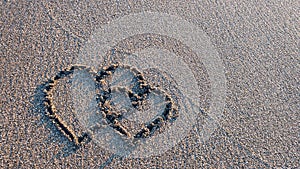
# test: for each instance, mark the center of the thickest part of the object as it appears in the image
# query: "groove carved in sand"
(138, 95)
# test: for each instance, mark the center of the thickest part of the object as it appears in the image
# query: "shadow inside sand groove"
(39, 109)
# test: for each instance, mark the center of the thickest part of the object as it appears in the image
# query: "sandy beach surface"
(258, 45)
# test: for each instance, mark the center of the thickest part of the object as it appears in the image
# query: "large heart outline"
(137, 96)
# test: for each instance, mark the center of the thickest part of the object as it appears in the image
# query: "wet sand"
(257, 43)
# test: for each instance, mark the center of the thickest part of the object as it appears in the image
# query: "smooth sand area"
(258, 45)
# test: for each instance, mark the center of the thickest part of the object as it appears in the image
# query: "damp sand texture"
(256, 41)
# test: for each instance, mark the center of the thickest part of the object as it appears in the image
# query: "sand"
(258, 43)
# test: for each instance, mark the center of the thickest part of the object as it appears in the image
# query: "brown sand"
(256, 41)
